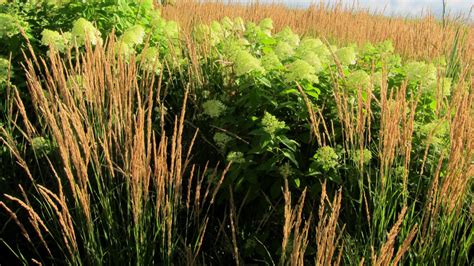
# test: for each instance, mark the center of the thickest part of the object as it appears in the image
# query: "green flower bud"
(358, 156)
(9, 25)
(271, 124)
(4, 66)
(213, 108)
(221, 139)
(236, 157)
(326, 158)
(41, 146)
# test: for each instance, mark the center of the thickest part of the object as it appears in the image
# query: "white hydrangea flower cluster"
(346, 56)
(358, 79)
(301, 70)
(314, 52)
(56, 40)
(426, 75)
(314, 60)
(246, 63)
(312, 44)
(217, 32)
(239, 24)
(213, 108)
(420, 72)
(227, 23)
(266, 25)
(288, 36)
(150, 60)
(284, 50)
(270, 62)
(83, 31)
(133, 35)
(171, 29)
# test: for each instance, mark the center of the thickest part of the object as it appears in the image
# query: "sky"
(398, 7)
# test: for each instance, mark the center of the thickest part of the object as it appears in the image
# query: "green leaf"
(290, 91)
(297, 182)
(265, 81)
(289, 143)
(291, 156)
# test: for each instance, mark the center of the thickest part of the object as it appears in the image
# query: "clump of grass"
(119, 182)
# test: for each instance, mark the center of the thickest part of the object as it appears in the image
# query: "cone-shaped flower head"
(271, 124)
(56, 40)
(150, 60)
(266, 25)
(133, 35)
(213, 108)
(246, 63)
(287, 35)
(326, 157)
(83, 30)
(221, 139)
(313, 59)
(420, 72)
(4, 66)
(271, 62)
(239, 24)
(301, 70)
(310, 44)
(9, 25)
(284, 50)
(346, 56)
(358, 80)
